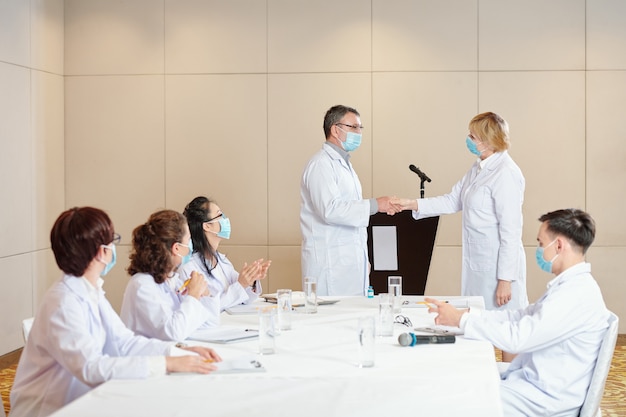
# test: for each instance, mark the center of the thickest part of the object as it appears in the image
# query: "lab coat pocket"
(481, 255)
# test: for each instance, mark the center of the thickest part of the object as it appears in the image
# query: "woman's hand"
(189, 363)
(503, 292)
(206, 353)
(253, 272)
(197, 286)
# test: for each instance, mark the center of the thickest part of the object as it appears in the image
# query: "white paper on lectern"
(384, 248)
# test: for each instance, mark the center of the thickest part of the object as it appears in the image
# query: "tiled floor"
(613, 402)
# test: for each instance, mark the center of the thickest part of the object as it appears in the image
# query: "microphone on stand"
(411, 339)
(423, 178)
(419, 173)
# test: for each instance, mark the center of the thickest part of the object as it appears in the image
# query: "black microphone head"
(413, 168)
(405, 339)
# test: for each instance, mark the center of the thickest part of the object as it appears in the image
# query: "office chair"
(591, 406)
(26, 326)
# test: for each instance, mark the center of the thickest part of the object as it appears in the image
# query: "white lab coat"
(157, 310)
(75, 345)
(333, 222)
(558, 339)
(491, 201)
(225, 295)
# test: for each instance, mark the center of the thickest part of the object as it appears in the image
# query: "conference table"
(313, 372)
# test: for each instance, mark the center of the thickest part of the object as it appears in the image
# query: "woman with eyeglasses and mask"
(157, 303)
(77, 341)
(209, 226)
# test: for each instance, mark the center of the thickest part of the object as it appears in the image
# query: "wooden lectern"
(400, 245)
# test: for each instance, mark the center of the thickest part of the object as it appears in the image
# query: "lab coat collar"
(492, 161)
(83, 288)
(572, 271)
(342, 153)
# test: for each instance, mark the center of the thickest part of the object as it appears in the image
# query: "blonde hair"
(491, 129)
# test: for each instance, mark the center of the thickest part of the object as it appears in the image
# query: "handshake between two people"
(393, 205)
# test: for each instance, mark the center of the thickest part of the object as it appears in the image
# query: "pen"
(180, 290)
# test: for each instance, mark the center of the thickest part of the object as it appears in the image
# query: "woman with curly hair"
(78, 341)
(157, 303)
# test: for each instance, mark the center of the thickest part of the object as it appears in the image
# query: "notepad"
(224, 335)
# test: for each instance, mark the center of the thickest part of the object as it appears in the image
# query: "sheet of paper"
(385, 248)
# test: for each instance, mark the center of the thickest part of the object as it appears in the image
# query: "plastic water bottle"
(370, 292)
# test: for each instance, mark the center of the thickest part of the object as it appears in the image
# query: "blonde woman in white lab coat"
(77, 341)
(490, 196)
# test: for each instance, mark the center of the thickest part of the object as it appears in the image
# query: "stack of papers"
(297, 299)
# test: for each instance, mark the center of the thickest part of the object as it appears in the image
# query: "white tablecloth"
(313, 373)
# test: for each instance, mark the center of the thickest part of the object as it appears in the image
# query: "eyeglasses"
(403, 320)
(350, 126)
(116, 238)
(216, 217)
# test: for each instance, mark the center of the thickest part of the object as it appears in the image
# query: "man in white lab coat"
(557, 338)
(333, 214)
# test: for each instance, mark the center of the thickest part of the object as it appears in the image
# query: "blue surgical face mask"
(543, 264)
(187, 257)
(224, 232)
(472, 146)
(111, 264)
(353, 141)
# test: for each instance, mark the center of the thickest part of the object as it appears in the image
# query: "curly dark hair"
(152, 243)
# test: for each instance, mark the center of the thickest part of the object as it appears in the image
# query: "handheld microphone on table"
(411, 339)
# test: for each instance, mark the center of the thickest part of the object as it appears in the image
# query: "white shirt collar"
(93, 292)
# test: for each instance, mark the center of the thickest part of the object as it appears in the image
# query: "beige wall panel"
(607, 267)
(319, 36)
(47, 34)
(49, 153)
(115, 146)
(606, 155)
(16, 161)
(113, 37)
(421, 119)
(296, 110)
(606, 34)
(409, 35)
(531, 35)
(16, 279)
(15, 32)
(216, 145)
(444, 276)
(546, 116)
(215, 36)
(285, 271)
(45, 274)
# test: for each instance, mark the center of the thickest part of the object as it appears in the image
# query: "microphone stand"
(422, 181)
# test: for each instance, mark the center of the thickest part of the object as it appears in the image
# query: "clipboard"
(224, 335)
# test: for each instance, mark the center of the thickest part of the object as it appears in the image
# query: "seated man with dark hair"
(557, 338)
